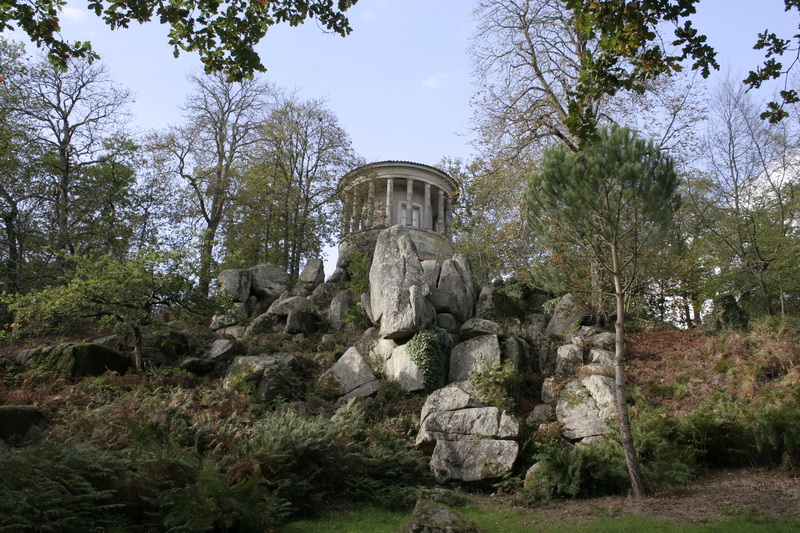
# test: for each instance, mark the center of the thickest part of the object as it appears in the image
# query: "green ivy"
(498, 385)
(425, 349)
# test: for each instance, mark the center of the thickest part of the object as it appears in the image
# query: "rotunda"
(378, 195)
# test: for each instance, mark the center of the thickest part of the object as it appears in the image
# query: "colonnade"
(362, 206)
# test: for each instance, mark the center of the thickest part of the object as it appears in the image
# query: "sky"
(400, 83)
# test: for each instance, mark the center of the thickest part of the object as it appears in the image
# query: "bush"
(426, 349)
(583, 470)
(498, 385)
(59, 488)
(727, 314)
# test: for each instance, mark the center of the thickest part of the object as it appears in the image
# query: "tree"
(286, 206)
(125, 293)
(75, 117)
(614, 199)
(223, 33)
(210, 151)
(630, 52)
(747, 202)
(529, 59)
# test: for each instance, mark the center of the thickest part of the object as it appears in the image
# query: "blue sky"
(400, 83)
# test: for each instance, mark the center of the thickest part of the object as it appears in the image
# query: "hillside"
(148, 435)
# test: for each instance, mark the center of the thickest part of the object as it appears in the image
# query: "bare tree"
(748, 204)
(210, 149)
(71, 117)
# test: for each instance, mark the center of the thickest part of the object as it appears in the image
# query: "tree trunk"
(137, 348)
(632, 461)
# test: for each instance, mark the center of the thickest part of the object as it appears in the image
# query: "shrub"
(426, 349)
(59, 488)
(583, 470)
(498, 385)
(727, 314)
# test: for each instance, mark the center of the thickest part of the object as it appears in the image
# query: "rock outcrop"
(470, 441)
(398, 287)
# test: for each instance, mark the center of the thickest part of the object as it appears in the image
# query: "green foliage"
(212, 503)
(628, 51)
(777, 433)
(224, 38)
(358, 273)
(727, 315)
(549, 307)
(122, 293)
(498, 385)
(426, 349)
(59, 488)
(584, 470)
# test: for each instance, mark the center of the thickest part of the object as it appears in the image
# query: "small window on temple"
(416, 214)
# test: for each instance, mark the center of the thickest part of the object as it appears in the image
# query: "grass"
(375, 520)
(364, 520)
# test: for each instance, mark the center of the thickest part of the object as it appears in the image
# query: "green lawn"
(374, 520)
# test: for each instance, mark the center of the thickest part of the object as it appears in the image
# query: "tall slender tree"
(614, 199)
(210, 150)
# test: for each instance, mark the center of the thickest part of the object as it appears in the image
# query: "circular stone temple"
(379, 195)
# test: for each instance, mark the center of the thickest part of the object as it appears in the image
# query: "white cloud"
(73, 14)
(431, 83)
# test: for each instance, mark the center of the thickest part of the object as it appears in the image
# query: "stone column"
(371, 205)
(409, 201)
(389, 201)
(358, 211)
(440, 223)
(346, 211)
(427, 216)
(448, 216)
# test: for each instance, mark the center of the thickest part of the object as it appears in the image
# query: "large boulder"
(603, 392)
(433, 517)
(261, 375)
(224, 350)
(400, 368)
(470, 422)
(432, 268)
(17, 420)
(567, 317)
(473, 460)
(313, 273)
(305, 321)
(337, 312)
(469, 441)
(568, 358)
(352, 374)
(472, 356)
(578, 413)
(235, 282)
(268, 281)
(494, 304)
(283, 307)
(78, 360)
(398, 287)
(476, 327)
(455, 279)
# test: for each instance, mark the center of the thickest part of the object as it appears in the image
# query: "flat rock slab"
(473, 460)
(467, 423)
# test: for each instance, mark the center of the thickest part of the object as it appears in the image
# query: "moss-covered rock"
(79, 360)
(17, 420)
(433, 517)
